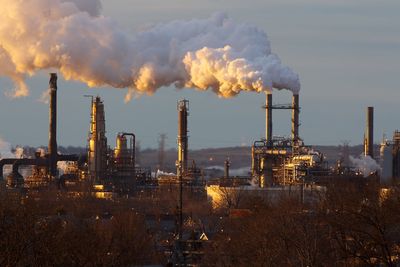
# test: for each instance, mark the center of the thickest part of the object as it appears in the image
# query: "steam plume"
(5, 149)
(71, 36)
(365, 164)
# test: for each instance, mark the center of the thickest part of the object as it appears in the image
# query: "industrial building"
(112, 168)
(275, 160)
(44, 166)
(390, 159)
(279, 160)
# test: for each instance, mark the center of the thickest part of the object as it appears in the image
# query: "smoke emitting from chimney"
(69, 35)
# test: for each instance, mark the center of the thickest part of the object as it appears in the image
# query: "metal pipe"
(268, 119)
(369, 135)
(295, 119)
(53, 126)
(183, 108)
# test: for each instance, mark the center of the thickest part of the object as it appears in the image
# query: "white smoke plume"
(244, 171)
(365, 164)
(72, 36)
(63, 167)
(19, 152)
(163, 173)
(5, 149)
(42, 152)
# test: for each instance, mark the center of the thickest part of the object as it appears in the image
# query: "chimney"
(227, 166)
(295, 119)
(183, 108)
(268, 119)
(369, 135)
(53, 125)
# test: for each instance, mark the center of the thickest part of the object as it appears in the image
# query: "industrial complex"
(275, 161)
(279, 166)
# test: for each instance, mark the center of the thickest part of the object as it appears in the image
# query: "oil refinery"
(275, 161)
(280, 168)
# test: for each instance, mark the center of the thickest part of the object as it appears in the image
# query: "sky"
(347, 54)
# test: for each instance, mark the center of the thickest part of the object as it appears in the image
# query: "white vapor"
(19, 152)
(5, 149)
(72, 36)
(365, 164)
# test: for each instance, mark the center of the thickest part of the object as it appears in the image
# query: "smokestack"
(227, 166)
(53, 125)
(295, 119)
(183, 108)
(369, 135)
(268, 119)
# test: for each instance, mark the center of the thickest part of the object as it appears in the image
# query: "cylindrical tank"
(121, 149)
(266, 176)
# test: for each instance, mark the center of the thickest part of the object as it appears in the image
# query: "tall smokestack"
(183, 108)
(369, 135)
(227, 166)
(53, 125)
(295, 118)
(268, 119)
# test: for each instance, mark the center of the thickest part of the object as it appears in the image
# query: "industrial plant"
(275, 161)
(280, 167)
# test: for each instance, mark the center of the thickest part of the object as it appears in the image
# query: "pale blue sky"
(346, 52)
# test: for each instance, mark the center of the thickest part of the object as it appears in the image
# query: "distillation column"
(97, 159)
(183, 108)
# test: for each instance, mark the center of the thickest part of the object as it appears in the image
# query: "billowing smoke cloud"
(5, 149)
(244, 171)
(41, 152)
(19, 152)
(71, 36)
(365, 164)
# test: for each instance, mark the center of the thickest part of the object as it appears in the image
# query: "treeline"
(57, 230)
(349, 226)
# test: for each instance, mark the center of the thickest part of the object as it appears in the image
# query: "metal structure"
(268, 119)
(124, 155)
(97, 152)
(295, 122)
(369, 133)
(227, 165)
(183, 112)
(49, 161)
(396, 155)
(278, 160)
(53, 126)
